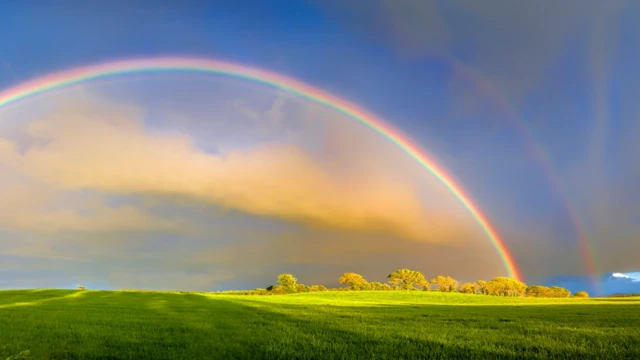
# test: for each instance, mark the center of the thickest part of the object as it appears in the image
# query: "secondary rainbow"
(540, 156)
(180, 64)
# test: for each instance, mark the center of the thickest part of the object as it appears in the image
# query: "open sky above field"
(199, 181)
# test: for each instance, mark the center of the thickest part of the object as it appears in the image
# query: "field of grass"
(63, 324)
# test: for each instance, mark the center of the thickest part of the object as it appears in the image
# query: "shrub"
(302, 288)
(377, 286)
(316, 288)
(581, 294)
(278, 290)
(560, 292)
(81, 287)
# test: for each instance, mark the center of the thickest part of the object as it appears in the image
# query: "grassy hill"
(63, 324)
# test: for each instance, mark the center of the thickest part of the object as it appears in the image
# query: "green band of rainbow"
(77, 75)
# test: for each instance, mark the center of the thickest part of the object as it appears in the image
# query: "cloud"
(501, 39)
(103, 147)
(633, 277)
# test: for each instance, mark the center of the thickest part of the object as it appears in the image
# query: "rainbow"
(152, 65)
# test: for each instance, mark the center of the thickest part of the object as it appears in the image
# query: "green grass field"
(62, 324)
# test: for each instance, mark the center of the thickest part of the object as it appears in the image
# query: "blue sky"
(461, 79)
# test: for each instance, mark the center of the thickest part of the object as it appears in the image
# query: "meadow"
(65, 324)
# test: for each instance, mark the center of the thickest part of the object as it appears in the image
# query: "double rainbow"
(172, 64)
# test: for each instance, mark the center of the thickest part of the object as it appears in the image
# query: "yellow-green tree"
(353, 280)
(468, 288)
(560, 292)
(288, 282)
(482, 287)
(315, 288)
(538, 291)
(406, 279)
(444, 283)
(581, 294)
(504, 286)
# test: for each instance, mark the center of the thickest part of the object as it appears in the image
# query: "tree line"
(406, 279)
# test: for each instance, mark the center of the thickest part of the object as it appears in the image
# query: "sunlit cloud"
(101, 147)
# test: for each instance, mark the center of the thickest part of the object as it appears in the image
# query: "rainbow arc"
(180, 64)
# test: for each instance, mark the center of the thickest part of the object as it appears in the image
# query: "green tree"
(406, 279)
(353, 280)
(581, 294)
(288, 282)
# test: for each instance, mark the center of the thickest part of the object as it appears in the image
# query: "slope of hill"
(62, 324)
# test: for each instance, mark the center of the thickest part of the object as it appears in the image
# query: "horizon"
(250, 139)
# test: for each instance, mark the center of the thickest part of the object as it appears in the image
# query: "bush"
(377, 286)
(278, 290)
(560, 292)
(81, 287)
(581, 294)
(316, 288)
(302, 288)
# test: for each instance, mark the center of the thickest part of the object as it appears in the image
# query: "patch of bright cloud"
(103, 147)
(633, 276)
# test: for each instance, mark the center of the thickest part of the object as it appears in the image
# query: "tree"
(543, 291)
(538, 291)
(288, 282)
(81, 287)
(560, 292)
(468, 288)
(406, 279)
(315, 288)
(377, 286)
(482, 287)
(279, 289)
(503, 286)
(581, 294)
(353, 280)
(302, 288)
(445, 283)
